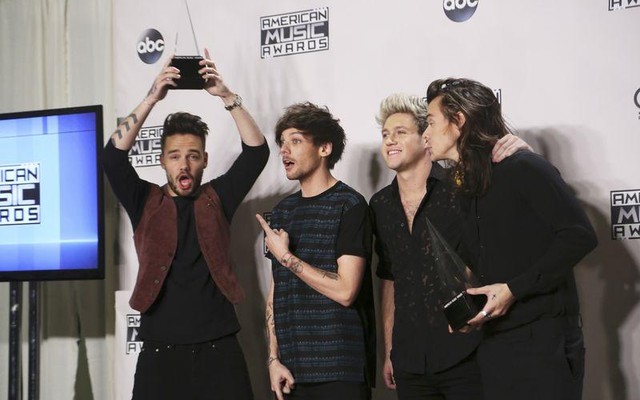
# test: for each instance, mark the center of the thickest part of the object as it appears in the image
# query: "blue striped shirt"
(319, 339)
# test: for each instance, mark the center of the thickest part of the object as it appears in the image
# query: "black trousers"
(541, 360)
(330, 391)
(460, 382)
(212, 370)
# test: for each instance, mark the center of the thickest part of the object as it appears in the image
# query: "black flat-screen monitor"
(51, 195)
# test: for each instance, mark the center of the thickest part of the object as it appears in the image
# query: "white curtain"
(58, 53)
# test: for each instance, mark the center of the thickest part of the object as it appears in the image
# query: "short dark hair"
(483, 126)
(183, 123)
(317, 123)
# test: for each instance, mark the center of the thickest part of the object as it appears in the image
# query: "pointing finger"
(263, 223)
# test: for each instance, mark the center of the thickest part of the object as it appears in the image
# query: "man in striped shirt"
(320, 316)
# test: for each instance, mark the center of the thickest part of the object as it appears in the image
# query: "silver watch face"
(237, 102)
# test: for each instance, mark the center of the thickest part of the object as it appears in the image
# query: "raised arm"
(249, 132)
(125, 135)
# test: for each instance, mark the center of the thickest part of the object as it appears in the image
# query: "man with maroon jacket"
(185, 287)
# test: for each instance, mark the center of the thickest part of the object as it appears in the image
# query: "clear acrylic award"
(189, 66)
(454, 280)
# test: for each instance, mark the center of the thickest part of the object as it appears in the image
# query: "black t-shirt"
(190, 308)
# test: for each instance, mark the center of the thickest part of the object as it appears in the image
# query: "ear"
(326, 149)
(461, 120)
(206, 159)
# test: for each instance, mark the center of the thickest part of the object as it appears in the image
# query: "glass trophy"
(189, 66)
(454, 280)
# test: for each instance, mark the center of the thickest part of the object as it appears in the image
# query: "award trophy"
(188, 65)
(455, 278)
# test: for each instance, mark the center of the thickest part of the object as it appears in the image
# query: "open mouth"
(185, 181)
(287, 163)
(393, 152)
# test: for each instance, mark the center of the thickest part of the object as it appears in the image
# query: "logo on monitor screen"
(636, 100)
(294, 33)
(625, 214)
(20, 194)
(146, 149)
(459, 10)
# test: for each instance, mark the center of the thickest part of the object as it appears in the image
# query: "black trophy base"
(189, 76)
(462, 308)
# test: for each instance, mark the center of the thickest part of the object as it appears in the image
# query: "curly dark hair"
(184, 123)
(317, 123)
(482, 128)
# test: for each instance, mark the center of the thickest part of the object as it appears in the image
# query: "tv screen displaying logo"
(51, 212)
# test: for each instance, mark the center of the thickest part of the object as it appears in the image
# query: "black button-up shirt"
(421, 340)
(530, 232)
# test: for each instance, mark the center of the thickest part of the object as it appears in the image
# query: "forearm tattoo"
(330, 275)
(124, 125)
(294, 264)
(270, 324)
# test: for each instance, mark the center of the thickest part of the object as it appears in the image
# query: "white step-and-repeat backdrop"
(566, 72)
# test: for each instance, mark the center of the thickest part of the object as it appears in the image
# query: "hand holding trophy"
(455, 278)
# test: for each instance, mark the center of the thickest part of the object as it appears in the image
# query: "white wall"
(567, 72)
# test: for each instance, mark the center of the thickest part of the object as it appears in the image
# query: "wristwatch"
(237, 102)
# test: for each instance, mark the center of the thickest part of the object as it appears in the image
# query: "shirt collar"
(438, 173)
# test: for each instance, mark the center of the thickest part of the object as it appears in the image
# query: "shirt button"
(156, 281)
(163, 268)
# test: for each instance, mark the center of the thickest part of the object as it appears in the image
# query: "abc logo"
(150, 46)
(636, 98)
(459, 10)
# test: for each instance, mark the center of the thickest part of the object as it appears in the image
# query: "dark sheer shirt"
(421, 340)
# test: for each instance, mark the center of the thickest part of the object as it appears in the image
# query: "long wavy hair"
(482, 128)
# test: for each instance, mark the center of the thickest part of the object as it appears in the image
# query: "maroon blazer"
(156, 240)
